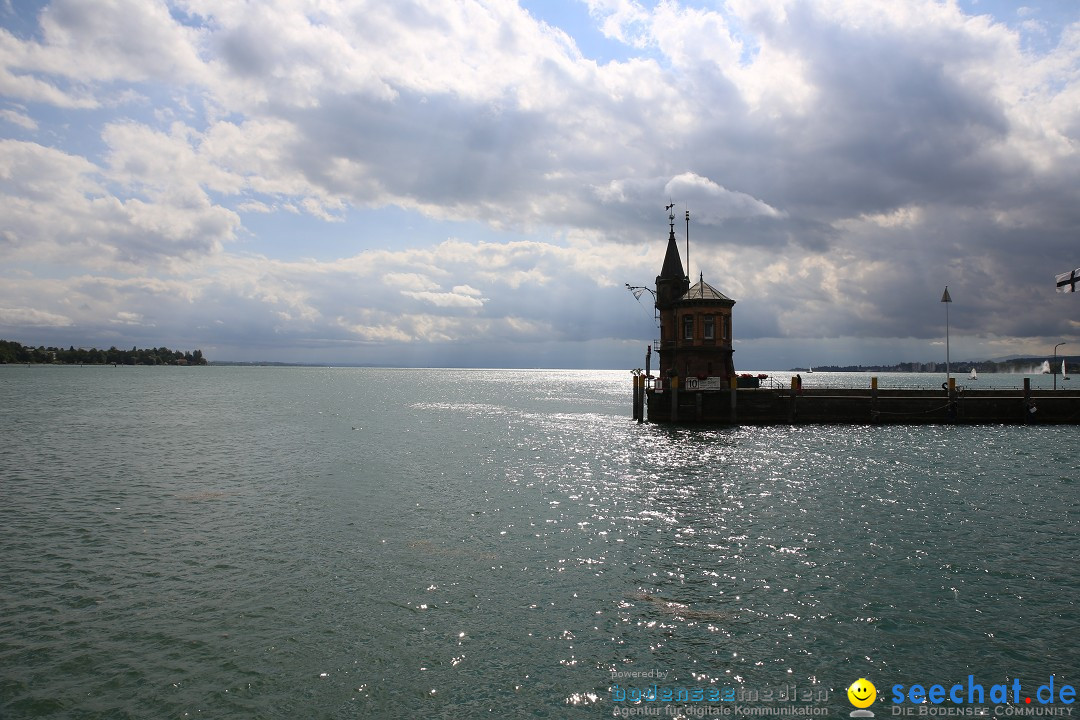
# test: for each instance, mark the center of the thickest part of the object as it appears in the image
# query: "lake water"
(350, 543)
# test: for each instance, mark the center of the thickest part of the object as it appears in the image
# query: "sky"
(462, 183)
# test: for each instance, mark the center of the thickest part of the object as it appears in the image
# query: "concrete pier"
(863, 407)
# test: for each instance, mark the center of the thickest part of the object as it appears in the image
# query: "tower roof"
(702, 290)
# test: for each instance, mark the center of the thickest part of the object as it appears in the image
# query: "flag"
(1066, 282)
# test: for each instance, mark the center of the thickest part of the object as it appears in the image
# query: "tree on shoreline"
(13, 352)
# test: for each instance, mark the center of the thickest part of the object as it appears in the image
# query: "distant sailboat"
(1046, 367)
(809, 370)
(1064, 375)
(974, 375)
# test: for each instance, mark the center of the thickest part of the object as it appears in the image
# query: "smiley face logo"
(862, 693)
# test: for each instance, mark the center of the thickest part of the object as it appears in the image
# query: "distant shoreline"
(13, 353)
(1012, 365)
(956, 371)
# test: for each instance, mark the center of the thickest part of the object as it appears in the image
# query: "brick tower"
(695, 322)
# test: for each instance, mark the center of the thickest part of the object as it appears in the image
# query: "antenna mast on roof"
(687, 244)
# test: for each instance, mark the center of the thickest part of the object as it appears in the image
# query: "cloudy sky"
(472, 183)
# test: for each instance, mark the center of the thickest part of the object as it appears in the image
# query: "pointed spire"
(672, 261)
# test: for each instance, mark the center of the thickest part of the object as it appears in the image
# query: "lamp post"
(946, 298)
(1054, 368)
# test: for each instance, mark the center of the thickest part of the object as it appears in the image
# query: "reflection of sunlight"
(780, 543)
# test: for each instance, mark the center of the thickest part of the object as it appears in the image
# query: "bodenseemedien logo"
(861, 694)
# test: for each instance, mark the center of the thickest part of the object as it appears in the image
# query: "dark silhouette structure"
(695, 322)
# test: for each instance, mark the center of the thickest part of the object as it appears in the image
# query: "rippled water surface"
(343, 543)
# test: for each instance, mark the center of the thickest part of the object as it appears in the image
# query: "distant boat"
(974, 375)
(1064, 375)
(809, 370)
(1046, 367)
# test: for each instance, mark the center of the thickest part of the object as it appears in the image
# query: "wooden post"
(640, 398)
(674, 398)
(950, 412)
(873, 400)
(733, 415)
(645, 382)
(1029, 406)
(792, 400)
